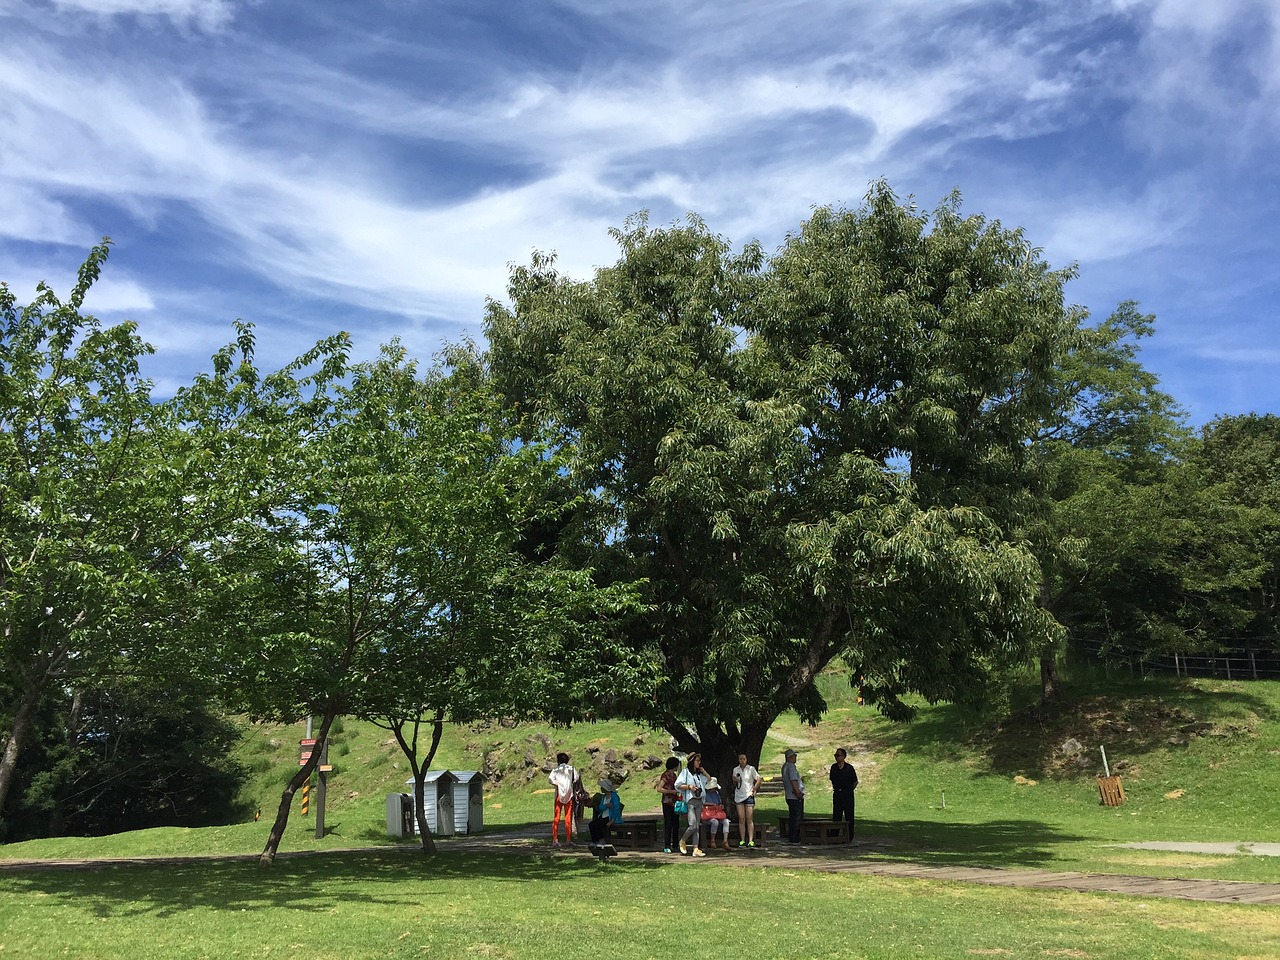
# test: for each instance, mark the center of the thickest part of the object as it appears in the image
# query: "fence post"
(1227, 660)
(1253, 665)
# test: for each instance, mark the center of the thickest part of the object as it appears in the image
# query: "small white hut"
(437, 803)
(468, 801)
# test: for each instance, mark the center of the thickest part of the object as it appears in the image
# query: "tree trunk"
(1050, 688)
(410, 750)
(58, 816)
(22, 721)
(286, 798)
(720, 748)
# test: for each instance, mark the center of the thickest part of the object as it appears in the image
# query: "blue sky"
(374, 166)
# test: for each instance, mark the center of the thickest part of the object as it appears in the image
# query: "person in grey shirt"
(793, 790)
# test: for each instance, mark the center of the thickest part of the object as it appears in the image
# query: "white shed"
(468, 801)
(437, 804)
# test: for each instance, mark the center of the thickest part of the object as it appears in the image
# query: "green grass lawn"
(393, 904)
(1198, 760)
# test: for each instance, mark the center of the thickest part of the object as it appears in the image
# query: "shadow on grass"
(305, 883)
(995, 843)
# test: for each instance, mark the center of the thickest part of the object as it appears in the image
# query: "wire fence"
(1241, 663)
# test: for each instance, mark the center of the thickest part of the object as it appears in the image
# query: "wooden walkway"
(1219, 891)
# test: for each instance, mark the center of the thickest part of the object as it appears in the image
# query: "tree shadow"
(993, 843)
(305, 882)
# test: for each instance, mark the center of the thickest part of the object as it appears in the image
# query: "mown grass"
(391, 904)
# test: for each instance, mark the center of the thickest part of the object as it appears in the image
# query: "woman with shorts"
(746, 781)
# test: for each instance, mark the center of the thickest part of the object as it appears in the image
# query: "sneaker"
(666, 849)
(683, 848)
(697, 852)
(555, 844)
(751, 844)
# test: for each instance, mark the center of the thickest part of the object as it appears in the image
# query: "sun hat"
(713, 784)
(606, 785)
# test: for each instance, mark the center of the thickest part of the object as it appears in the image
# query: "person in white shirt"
(692, 784)
(563, 777)
(746, 781)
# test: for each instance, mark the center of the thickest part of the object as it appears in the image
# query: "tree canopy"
(816, 455)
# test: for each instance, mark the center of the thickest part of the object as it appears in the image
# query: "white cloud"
(1095, 229)
(206, 14)
(32, 214)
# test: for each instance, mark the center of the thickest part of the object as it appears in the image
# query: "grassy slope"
(1198, 759)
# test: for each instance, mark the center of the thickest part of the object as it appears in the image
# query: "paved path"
(825, 859)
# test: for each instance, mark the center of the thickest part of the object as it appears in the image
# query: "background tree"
(1241, 457)
(372, 567)
(820, 455)
(90, 524)
(1110, 429)
(127, 754)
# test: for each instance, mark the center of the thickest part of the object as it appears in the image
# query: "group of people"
(691, 798)
(696, 795)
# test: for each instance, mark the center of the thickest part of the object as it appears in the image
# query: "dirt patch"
(1179, 860)
(1061, 742)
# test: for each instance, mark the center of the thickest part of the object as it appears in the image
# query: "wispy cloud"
(392, 161)
(206, 14)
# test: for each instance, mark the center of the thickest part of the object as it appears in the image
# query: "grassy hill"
(1198, 760)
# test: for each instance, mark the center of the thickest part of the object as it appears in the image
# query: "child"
(714, 815)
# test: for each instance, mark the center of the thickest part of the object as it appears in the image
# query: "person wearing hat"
(844, 780)
(714, 815)
(608, 811)
(793, 791)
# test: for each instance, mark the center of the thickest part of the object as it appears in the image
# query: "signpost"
(306, 748)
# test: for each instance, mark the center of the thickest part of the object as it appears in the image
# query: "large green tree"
(821, 454)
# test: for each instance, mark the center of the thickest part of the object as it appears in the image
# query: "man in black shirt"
(844, 780)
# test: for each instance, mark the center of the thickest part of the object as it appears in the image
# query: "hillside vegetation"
(1198, 760)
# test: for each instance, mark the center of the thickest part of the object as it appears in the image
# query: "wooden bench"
(816, 830)
(637, 833)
